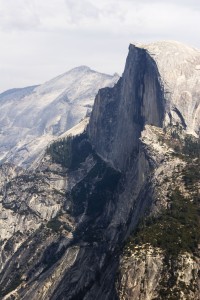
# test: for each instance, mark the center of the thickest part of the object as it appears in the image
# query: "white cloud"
(18, 14)
(40, 39)
(81, 9)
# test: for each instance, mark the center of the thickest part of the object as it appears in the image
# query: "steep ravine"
(107, 179)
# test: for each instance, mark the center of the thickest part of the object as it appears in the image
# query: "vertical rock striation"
(120, 113)
(114, 176)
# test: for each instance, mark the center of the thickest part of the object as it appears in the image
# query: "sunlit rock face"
(159, 86)
(120, 114)
(179, 69)
(32, 117)
(66, 222)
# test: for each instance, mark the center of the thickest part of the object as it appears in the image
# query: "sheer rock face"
(140, 274)
(160, 86)
(144, 274)
(118, 178)
(119, 114)
(179, 69)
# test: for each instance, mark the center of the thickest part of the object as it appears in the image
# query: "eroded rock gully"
(70, 245)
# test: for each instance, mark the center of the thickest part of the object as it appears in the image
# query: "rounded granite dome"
(168, 45)
(179, 69)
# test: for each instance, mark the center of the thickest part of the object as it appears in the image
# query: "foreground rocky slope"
(161, 257)
(99, 209)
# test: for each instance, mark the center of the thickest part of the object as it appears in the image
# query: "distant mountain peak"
(32, 117)
(81, 68)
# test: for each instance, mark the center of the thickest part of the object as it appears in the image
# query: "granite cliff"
(113, 211)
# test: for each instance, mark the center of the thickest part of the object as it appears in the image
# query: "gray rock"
(116, 176)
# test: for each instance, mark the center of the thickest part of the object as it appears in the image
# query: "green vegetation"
(12, 285)
(175, 230)
(186, 148)
(9, 245)
(54, 225)
(51, 255)
(71, 151)
(191, 176)
(95, 192)
(60, 152)
(191, 147)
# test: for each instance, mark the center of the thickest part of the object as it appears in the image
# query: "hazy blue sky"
(40, 39)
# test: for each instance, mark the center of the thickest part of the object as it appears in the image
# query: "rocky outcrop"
(161, 258)
(160, 86)
(179, 69)
(143, 274)
(120, 114)
(92, 190)
(140, 273)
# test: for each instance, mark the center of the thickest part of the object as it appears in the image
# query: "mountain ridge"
(128, 174)
(31, 117)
